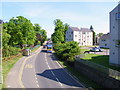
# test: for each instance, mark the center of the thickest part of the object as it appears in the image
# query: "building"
(115, 36)
(83, 36)
(104, 41)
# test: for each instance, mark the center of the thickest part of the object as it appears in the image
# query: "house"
(115, 36)
(104, 41)
(83, 36)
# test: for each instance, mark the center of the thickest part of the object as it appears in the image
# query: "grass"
(7, 65)
(100, 59)
(85, 81)
(83, 50)
(90, 46)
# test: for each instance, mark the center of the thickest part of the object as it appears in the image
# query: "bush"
(67, 51)
(8, 51)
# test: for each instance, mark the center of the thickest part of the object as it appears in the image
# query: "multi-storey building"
(83, 36)
(104, 41)
(115, 36)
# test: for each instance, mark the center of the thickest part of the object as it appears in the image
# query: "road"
(41, 70)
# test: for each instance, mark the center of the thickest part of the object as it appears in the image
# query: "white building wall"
(76, 36)
(114, 31)
(83, 39)
(104, 44)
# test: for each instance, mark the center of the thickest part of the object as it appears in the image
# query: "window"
(75, 35)
(118, 15)
(71, 32)
(117, 42)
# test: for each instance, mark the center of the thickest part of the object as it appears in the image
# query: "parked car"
(95, 49)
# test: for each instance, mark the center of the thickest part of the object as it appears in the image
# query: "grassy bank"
(7, 65)
(100, 59)
(85, 81)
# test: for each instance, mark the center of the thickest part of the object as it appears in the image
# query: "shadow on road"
(62, 76)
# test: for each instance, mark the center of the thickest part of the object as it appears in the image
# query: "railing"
(112, 73)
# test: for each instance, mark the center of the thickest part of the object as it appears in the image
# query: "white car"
(96, 49)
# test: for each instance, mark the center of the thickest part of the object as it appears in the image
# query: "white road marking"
(70, 75)
(36, 81)
(37, 85)
(8, 86)
(52, 73)
(49, 67)
(58, 81)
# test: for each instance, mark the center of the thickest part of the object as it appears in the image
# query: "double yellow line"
(22, 67)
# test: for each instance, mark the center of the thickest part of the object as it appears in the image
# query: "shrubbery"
(8, 51)
(67, 51)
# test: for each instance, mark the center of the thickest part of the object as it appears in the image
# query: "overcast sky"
(76, 14)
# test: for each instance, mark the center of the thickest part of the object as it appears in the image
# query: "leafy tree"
(21, 31)
(100, 34)
(5, 35)
(60, 30)
(67, 50)
(41, 34)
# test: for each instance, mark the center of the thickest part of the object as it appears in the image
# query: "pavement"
(40, 70)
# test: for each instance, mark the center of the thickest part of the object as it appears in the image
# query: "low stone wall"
(99, 77)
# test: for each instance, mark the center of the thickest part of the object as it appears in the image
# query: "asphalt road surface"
(41, 70)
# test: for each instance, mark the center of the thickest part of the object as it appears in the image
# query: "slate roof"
(81, 29)
(75, 28)
(105, 36)
(85, 30)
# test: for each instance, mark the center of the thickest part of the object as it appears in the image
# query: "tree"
(5, 35)
(67, 50)
(94, 35)
(60, 30)
(100, 34)
(41, 34)
(21, 31)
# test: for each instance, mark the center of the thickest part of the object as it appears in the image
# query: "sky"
(76, 14)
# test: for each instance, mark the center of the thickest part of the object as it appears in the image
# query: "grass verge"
(85, 81)
(7, 65)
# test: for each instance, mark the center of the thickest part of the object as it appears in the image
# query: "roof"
(105, 36)
(49, 45)
(118, 6)
(85, 30)
(74, 28)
